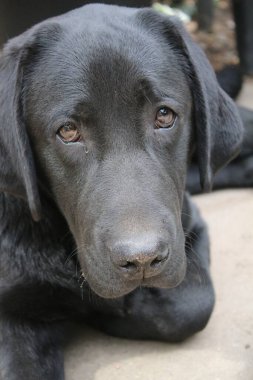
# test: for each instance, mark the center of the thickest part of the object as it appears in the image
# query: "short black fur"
(109, 214)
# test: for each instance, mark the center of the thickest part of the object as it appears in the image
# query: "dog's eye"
(165, 118)
(69, 133)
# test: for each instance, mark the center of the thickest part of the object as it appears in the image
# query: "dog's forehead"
(104, 55)
(110, 45)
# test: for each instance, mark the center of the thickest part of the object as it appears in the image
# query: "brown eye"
(165, 118)
(69, 133)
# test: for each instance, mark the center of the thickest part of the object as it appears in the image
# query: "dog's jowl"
(101, 110)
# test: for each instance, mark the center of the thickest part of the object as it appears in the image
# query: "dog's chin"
(121, 288)
(116, 291)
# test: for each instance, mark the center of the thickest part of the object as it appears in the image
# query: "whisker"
(70, 256)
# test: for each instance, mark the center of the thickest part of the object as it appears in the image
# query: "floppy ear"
(17, 169)
(219, 130)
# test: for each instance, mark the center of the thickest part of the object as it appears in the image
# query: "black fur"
(230, 78)
(113, 201)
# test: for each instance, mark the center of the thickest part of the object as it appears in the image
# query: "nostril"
(159, 259)
(155, 262)
(140, 256)
(129, 266)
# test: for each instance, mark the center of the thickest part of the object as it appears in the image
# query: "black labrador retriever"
(101, 110)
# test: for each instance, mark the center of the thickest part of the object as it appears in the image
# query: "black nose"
(141, 258)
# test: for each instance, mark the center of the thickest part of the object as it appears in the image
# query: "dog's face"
(109, 110)
(111, 132)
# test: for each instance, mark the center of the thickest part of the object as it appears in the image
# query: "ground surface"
(224, 350)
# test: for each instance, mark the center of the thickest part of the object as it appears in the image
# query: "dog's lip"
(170, 277)
(166, 280)
(153, 282)
(158, 283)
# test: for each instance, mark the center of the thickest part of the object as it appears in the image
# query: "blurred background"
(224, 28)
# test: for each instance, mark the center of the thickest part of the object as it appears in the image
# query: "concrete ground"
(224, 350)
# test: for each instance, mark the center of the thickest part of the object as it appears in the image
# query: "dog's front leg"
(30, 351)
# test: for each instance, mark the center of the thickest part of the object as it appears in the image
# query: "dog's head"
(107, 104)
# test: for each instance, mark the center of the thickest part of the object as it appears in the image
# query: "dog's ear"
(17, 169)
(219, 130)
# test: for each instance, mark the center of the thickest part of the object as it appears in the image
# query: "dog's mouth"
(145, 260)
(109, 284)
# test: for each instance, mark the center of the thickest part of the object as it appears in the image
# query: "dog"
(101, 112)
